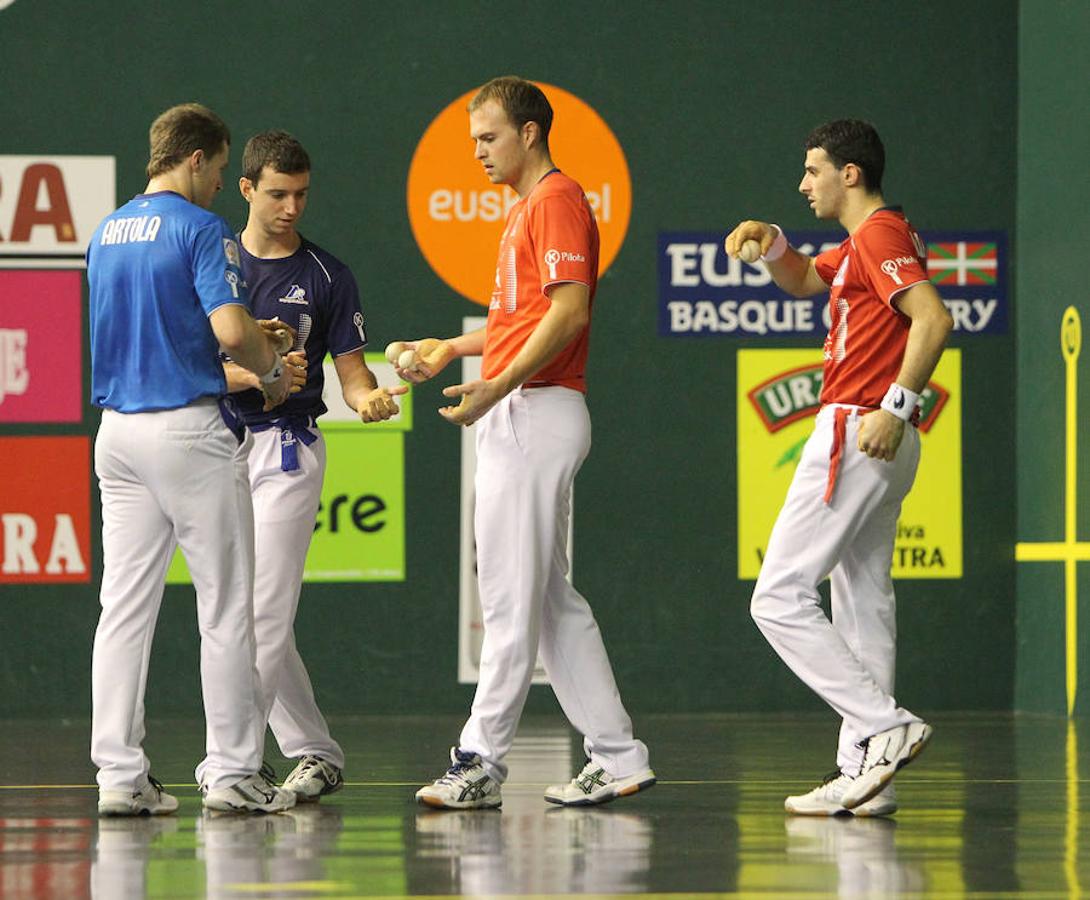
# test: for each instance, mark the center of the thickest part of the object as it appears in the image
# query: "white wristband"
(273, 375)
(900, 401)
(778, 248)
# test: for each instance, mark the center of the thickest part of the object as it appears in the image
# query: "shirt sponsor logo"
(51, 205)
(703, 292)
(554, 257)
(892, 266)
(230, 250)
(357, 320)
(295, 295)
(231, 277)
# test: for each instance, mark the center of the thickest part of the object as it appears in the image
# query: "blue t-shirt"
(314, 293)
(157, 268)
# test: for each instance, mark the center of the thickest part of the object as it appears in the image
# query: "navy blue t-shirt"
(314, 293)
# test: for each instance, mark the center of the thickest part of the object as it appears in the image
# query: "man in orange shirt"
(533, 436)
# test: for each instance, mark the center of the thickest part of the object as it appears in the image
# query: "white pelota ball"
(284, 342)
(394, 350)
(750, 252)
(406, 359)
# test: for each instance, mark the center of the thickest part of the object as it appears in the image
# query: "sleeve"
(889, 259)
(217, 271)
(828, 262)
(346, 329)
(562, 238)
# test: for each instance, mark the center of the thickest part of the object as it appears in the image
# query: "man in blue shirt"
(299, 283)
(166, 293)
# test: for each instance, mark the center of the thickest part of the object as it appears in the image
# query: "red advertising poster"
(45, 510)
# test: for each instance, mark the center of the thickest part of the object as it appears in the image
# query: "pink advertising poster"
(41, 359)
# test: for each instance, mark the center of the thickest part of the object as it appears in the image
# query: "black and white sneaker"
(883, 754)
(825, 799)
(254, 793)
(149, 800)
(595, 785)
(312, 778)
(466, 785)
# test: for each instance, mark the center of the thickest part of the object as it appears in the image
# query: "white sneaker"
(466, 785)
(595, 785)
(254, 793)
(313, 778)
(883, 754)
(150, 800)
(827, 800)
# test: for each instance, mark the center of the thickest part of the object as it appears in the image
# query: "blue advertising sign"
(702, 292)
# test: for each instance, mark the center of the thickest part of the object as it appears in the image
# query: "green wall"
(1053, 224)
(711, 102)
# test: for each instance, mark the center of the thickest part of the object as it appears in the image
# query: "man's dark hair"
(522, 100)
(276, 149)
(852, 141)
(182, 130)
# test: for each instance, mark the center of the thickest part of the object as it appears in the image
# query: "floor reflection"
(859, 856)
(123, 848)
(528, 849)
(241, 853)
(993, 809)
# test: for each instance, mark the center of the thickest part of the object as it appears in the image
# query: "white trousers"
(174, 478)
(529, 448)
(850, 661)
(285, 509)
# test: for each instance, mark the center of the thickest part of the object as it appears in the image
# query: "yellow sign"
(1068, 551)
(777, 400)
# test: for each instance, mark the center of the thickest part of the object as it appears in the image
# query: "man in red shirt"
(839, 520)
(533, 434)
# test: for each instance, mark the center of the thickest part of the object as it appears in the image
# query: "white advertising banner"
(50, 207)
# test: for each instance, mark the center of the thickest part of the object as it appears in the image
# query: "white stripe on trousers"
(850, 661)
(166, 478)
(529, 448)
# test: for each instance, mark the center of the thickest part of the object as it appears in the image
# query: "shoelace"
(311, 763)
(267, 772)
(155, 784)
(833, 776)
(457, 771)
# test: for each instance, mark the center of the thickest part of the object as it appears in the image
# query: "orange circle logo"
(457, 215)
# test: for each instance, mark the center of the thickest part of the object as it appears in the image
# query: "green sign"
(360, 531)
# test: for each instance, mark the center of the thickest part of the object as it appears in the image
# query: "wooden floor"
(992, 809)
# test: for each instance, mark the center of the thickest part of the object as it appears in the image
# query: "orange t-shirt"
(867, 338)
(550, 237)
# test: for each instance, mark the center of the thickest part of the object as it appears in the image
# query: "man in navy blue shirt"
(299, 283)
(166, 294)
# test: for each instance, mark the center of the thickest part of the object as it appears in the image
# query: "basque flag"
(962, 262)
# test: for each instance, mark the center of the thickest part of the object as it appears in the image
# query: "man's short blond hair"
(522, 100)
(180, 131)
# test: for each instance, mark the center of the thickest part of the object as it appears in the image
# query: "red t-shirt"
(550, 237)
(867, 335)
